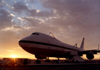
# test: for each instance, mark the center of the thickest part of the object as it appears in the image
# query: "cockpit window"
(35, 33)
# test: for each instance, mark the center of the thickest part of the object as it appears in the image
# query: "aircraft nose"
(24, 43)
(21, 43)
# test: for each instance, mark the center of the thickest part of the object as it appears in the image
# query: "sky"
(68, 20)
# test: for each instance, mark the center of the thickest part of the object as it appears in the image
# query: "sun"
(13, 56)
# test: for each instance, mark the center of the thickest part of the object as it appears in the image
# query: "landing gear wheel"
(47, 60)
(57, 61)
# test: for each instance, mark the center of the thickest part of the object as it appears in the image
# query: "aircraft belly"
(46, 50)
(43, 50)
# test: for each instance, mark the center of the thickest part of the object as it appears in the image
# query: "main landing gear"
(38, 61)
(47, 59)
(56, 61)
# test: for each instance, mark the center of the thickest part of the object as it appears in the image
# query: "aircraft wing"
(89, 51)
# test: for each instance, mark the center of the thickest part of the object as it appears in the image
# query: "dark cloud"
(5, 19)
(32, 1)
(32, 21)
(79, 18)
(1, 4)
(45, 14)
(19, 7)
(66, 6)
(81, 13)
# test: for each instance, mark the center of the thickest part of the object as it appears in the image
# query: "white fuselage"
(42, 44)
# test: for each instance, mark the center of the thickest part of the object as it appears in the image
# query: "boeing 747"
(42, 46)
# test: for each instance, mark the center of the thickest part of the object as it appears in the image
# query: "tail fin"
(82, 44)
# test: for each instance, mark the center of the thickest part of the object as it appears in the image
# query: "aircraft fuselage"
(45, 45)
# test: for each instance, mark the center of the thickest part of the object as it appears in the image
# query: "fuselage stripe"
(24, 41)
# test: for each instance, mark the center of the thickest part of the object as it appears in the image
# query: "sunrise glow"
(13, 56)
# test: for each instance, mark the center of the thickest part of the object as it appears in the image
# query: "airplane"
(43, 46)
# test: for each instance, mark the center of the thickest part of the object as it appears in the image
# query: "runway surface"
(93, 65)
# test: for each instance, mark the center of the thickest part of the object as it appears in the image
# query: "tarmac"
(88, 65)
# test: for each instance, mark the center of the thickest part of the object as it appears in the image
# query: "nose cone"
(24, 45)
(25, 39)
(27, 44)
(23, 42)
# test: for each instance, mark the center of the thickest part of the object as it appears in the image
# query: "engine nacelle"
(89, 55)
(40, 57)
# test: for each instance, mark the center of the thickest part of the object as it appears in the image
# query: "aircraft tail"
(82, 44)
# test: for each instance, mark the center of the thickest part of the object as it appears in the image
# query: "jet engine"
(90, 55)
(40, 56)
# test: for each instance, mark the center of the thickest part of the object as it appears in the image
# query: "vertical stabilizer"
(82, 44)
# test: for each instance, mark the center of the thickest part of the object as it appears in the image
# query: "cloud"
(5, 19)
(78, 18)
(19, 7)
(12, 15)
(31, 21)
(80, 13)
(1, 4)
